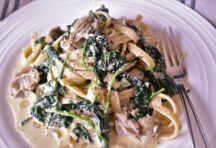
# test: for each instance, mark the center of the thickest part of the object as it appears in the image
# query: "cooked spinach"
(141, 41)
(104, 60)
(43, 71)
(165, 82)
(158, 59)
(142, 95)
(168, 84)
(49, 101)
(51, 53)
(56, 120)
(153, 80)
(101, 120)
(152, 51)
(80, 131)
(97, 47)
(39, 113)
(101, 134)
(61, 89)
(84, 48)
(95, 110)
(48, 110)
(115, 75)
(114, 61)
(142, 92)
(97, 113)
(52, 56)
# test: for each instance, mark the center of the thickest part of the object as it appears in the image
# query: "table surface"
(206, 8)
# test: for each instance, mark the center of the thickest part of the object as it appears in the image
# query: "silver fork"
(175, 68)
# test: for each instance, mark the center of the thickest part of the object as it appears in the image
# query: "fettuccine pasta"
(101, 82)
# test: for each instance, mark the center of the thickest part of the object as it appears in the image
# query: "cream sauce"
(39, 136)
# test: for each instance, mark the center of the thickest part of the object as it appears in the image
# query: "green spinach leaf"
(165, 82)
(43, 71)
(152, 51)
(81, 131)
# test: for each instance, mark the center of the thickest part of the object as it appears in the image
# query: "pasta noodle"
(127, 31)
(83, 84)
(156, 104)
(108, 18)
(140, 53)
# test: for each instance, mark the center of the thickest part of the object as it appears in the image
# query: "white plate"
(196, 37)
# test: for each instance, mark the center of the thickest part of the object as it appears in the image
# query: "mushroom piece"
(145, 126)
(125, 126)
(149, 125)
(24, 82)
(54, 34)
(82, 28)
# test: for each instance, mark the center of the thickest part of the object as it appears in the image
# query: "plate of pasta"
(90, 75)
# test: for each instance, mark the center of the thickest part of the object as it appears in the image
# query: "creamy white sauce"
(39, 136)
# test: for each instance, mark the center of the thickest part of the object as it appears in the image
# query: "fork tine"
(170, 48)
(164, 49)
(175, 50)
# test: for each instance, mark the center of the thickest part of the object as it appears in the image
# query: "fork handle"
(185, 98)
(185, 109)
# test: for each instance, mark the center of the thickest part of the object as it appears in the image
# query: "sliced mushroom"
(125, 126)
(54, 34)
(149, 125)
(82, 28)
(24, 82)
